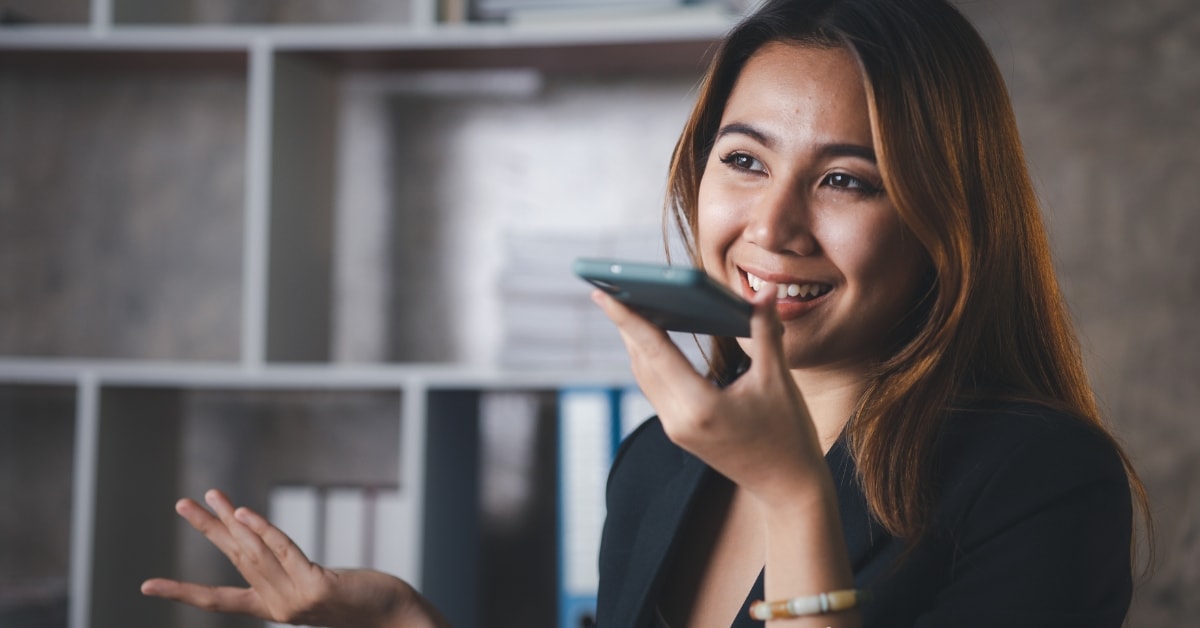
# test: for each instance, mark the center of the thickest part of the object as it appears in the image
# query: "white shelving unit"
(251, 333)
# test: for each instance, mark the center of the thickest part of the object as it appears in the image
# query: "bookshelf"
(186, 301)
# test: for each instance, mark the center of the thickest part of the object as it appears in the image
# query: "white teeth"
(793, 290)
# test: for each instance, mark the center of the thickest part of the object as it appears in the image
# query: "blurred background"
(315, 251)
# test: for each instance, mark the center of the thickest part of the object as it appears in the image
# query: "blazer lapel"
(862, 532)
(654, 542)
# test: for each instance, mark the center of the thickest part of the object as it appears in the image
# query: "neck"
(831, 397)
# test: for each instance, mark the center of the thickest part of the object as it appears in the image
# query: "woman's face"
(792, 194)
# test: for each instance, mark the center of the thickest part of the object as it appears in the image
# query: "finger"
(625, 318)
(766, 330)
(656, 360)
(640, 335)
(290, 556)
(205, 523)
(252, 557)
(217, 599)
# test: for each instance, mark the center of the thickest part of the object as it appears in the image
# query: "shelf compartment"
(37, 446)
(158, 444)
(121, 194)
(490, 510)
(439, 171)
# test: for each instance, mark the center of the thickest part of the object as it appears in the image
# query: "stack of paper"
(549, 319)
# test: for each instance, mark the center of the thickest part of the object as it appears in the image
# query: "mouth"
(806, 291)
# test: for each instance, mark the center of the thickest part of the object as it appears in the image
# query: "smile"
(803, 291)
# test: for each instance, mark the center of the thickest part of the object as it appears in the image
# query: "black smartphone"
(675, 298)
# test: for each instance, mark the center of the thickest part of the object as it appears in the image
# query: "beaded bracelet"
(819, 604)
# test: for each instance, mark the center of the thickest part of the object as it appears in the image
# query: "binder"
(591, 424)
(585, 439)
(295, 510)
(348, 526)
(298, 512)
(346, 529)
(392, 518)
(635, 409)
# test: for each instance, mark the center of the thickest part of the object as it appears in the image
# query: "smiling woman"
(869, 148)
(907, 437)
(792, 195)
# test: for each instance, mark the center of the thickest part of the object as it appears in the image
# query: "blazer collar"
(660, 530)
(863, 533)
(655, 540)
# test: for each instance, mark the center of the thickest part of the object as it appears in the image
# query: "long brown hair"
(994, 322)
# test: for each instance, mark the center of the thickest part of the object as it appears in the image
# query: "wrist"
(415, 611)
(798, 492)
(375, 599)
(805, 548)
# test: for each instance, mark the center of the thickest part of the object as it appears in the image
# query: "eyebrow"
(838, 149)
(849, 150)
(738, 128)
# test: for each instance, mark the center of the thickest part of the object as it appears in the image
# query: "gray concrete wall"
(1107, 93)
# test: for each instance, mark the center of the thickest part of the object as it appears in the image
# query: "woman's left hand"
(285, 586)
(757, 431)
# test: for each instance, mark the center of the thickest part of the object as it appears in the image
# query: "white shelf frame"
(415, 382)
(101, 34)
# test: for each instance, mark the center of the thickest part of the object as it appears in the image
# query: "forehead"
(802, 88)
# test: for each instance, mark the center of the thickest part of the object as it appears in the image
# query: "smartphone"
(675, 298)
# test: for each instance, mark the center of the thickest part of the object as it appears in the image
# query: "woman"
(909, 430)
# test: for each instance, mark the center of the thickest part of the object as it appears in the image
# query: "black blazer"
(1032, 528)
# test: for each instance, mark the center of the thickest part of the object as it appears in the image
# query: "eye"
(851, 183)
(742, 161)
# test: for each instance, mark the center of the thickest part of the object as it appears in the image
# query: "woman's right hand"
(285, 586)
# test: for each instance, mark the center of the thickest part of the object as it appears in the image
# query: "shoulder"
(1012, 421)
(645, 459)
(1027, 447)
(1025, 480)
(1033, 523)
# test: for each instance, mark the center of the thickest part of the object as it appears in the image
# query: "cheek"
(876, 250)
(842, 240)
(717, 225)
(893, 265)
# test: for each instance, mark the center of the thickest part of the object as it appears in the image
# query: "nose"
(780, 222)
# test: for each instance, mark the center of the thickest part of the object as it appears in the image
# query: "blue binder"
(591, 424)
